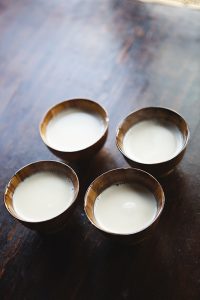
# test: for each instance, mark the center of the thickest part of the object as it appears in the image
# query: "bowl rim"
(76, 191)
(158, 213)
(106, 121)
(156, 163)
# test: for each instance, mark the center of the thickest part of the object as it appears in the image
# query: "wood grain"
(126, 55)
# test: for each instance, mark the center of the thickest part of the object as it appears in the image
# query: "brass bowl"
(51, 225)
(124, 176)
(82, 104)
(163, 115)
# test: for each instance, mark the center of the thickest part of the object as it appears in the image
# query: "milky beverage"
(151, 141)
(74, 129)
(42, 196)
(125, 208)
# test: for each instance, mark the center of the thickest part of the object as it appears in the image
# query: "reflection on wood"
(188, 3)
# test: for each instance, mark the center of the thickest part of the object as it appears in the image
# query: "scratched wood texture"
(126, 55)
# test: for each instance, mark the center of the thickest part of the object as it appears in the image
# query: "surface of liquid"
(125, 208)
(42, 196)
(73, 130)
(151, 141)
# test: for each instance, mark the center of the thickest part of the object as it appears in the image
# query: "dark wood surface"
(126, 55)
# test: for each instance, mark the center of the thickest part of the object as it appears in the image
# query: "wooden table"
(125, 55)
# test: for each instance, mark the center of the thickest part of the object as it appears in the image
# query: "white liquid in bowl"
(125, 208)
(74, 129)
(151, 141)
(42, 196)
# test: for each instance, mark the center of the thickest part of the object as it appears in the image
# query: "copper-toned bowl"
(84, 105)
(53, 224)
(160, 114)
(116, 176)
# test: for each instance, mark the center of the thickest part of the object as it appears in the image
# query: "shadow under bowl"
(84, 105)
(162, 115)
(56, 223)
(117, 176)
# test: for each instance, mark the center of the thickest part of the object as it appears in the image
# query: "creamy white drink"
(42, 196)
(151, 141)
(74, 129)
(125, 208)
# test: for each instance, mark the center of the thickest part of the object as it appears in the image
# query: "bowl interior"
(81, 104)
(50, 166)
(149, 113)
(122, 176)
